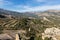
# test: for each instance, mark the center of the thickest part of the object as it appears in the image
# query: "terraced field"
(7, 23)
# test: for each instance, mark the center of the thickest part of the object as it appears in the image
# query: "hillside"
(33, 23)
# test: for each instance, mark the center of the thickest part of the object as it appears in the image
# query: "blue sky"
(30, 5)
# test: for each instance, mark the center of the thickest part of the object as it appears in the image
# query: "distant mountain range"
(31, 14)
(51, 15)
(17, 14)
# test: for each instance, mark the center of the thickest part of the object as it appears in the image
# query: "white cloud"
(1, 2)
(38, 8)
(43, 1)
(22, 6)
(4, 2)
(40, 0)
(48, 2)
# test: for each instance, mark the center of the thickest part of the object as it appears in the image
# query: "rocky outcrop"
(52, 32)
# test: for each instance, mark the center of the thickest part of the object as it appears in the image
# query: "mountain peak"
(53, 10)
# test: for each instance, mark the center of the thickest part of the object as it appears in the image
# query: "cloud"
(35, 6)
(41, 0)
(4, 2)
(38, 8)
(48, 2)
(23, 7)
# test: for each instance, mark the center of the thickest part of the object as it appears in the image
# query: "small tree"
(46, 38)
(1, 29)
(40, 38)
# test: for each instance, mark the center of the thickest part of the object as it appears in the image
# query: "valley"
(28, 25)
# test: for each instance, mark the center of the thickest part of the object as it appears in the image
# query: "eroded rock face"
(52, 32)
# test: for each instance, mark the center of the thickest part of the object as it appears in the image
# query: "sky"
(30, 5)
